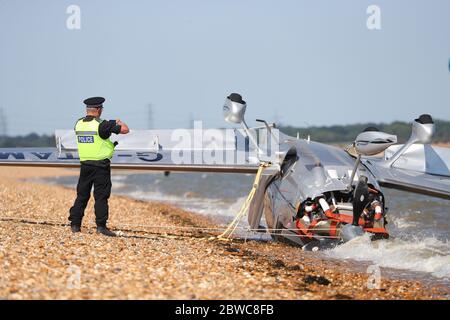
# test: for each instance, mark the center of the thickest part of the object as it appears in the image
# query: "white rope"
(121, 226)
(234, 224)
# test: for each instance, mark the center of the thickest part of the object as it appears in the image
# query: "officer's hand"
(123, 127)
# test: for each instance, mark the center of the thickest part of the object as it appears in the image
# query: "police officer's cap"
(94, 102)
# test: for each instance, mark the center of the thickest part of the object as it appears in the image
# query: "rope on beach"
(233, 225)
(122, 226)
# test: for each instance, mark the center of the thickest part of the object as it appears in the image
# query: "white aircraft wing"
(211, 150)
(141, 160)
(422, 168)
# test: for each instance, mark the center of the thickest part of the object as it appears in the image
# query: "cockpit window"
(288, 162)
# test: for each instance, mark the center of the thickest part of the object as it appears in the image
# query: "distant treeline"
(348, 133)
(29, 140)
(330, 134)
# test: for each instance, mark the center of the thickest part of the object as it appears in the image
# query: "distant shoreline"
(331, 134)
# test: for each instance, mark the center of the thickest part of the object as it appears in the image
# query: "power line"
(3, 123)
(191, 121)
(150, 116)
(276, 117)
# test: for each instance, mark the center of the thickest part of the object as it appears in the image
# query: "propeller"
(360, 199)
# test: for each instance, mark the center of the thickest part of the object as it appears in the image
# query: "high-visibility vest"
(90, 145)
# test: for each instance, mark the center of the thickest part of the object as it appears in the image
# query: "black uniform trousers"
(100, 177)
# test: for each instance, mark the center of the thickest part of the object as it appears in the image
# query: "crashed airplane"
(312, 194)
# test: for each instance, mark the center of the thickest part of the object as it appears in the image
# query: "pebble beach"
(162, 252)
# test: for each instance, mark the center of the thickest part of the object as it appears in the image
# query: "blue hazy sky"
(299, 62)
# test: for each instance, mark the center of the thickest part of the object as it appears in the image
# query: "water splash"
(425, 255)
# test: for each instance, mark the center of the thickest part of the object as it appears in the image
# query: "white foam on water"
(208, 207)
(226, 210)
(119, 177)
(426, 255)
(119, 181)
(403, 223)
(119, 185)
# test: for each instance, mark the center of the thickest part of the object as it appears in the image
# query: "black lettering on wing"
(42, 155)
(16, 155)
(149, 156)
(69, 156)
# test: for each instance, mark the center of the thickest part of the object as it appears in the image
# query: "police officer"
(95, 151)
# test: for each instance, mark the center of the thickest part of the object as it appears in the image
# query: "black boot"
(75, 228)
(105, 231)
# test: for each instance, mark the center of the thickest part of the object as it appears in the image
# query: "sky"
(299, 63)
